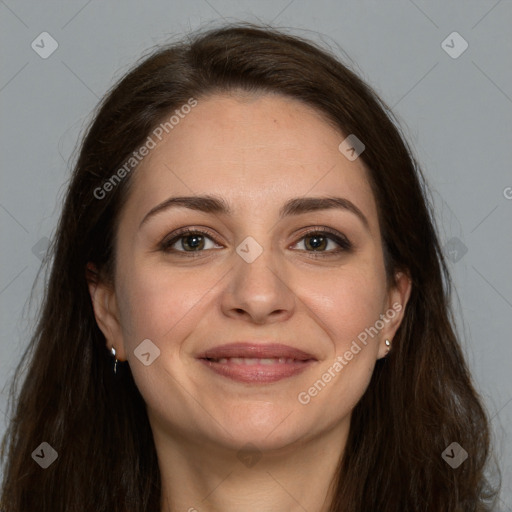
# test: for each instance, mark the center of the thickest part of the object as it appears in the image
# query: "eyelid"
(345, 245)
(170, 240)
(338, 237)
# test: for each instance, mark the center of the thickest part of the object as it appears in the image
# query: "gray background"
(456, 112)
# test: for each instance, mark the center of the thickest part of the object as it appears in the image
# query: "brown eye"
(193, 242)
(322, 241)
(188, 241)
(316, 242)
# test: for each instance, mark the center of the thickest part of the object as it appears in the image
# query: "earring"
(388, 345)
(113, 352)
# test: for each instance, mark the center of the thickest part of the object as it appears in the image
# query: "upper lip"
(256, 351)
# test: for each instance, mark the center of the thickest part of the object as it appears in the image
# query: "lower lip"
(258, 373)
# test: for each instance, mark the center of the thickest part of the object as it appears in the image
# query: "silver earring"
(113, 352)
(388, 345)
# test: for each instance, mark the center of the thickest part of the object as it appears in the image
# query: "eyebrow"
(295, 206)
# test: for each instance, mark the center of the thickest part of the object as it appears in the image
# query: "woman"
(248, 234)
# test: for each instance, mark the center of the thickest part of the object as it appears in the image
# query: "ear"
(105, 310)
(398, 297)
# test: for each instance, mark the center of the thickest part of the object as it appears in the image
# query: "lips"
(256, 363)
(249, 350)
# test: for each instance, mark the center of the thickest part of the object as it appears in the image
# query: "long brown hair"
(420, 398)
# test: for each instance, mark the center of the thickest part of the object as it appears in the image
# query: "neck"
(204, 477)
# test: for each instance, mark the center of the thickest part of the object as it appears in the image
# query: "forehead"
(255, 150)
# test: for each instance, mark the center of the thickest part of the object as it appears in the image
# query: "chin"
(268, 428)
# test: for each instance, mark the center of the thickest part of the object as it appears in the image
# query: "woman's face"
(253, 276)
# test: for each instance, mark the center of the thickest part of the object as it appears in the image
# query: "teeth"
(241, 360)
(253, 360)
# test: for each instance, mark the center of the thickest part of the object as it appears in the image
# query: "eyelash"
(342, 241)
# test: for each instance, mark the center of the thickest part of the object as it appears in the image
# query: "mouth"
(256, 363)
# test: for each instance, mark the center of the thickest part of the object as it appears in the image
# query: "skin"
(256, 151)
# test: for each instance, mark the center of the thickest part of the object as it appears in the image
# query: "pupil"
(316, 241)
(196, 241)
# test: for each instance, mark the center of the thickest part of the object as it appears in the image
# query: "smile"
(256, 363)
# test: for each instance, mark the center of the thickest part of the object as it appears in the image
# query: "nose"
(259, 291)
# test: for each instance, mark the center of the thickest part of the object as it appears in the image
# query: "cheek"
(341, 379)
(158, 304)
(349, 303)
